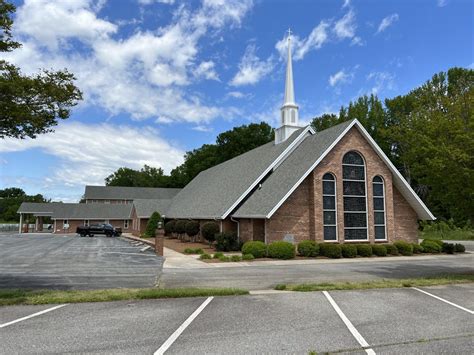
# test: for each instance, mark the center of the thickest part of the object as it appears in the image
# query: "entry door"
(259, 230)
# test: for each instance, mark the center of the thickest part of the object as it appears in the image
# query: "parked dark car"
(102, 228)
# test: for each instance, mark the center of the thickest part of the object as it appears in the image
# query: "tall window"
(329, 207)
(125, 223)
(379, 208)
(355, 203)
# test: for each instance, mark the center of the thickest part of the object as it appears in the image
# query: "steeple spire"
(289, 110)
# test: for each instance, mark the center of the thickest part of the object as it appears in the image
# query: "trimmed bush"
(192, 229)
(349, 250)
(152, 224)
(308, 248)
(227, 241)
(169, 227)
(379, 250)
(281, 250)
(180, 227)
(248, 257)
(333, 251)
(417, 249)
(217, 255)
(459, 248)
(448, 248)
(255, 248)
(430, 246)
(235, 258)
(205, 256)
(193, 251)
(224, 258)
(391, 249)
(209, 231)
(364, 250)
(404, 248)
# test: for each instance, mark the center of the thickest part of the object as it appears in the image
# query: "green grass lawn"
(459, 234)
(16, 297)
(384, 283)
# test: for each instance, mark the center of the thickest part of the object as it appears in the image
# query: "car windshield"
(108, 226)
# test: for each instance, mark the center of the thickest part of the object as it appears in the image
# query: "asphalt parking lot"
(387, 321)
(71, 262)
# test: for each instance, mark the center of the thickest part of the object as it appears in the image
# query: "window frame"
(384, 207)
(334, 181)
(365, 196)
(126, 223)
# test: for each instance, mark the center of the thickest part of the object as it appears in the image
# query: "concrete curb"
(144, 241)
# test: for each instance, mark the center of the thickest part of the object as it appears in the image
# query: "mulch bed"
(179, 246)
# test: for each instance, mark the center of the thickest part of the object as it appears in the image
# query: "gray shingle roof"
(129, 193)
(145, 208)
(288, 173)
(214, 191)
(78, 210)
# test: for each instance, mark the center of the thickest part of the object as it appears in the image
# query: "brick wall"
(301, 215)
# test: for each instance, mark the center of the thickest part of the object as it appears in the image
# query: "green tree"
(11, 199)
(152, 224)
(30, 105)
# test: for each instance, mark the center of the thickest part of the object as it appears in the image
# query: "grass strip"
(22, 297)
(383, 283)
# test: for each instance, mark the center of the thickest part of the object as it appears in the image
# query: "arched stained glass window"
(329, 207)
(379, 208)
(354, 195)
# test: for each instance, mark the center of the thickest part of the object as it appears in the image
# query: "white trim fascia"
(270, 214)
(379, 151)
(260, 216)
(268, 169)
(392, 168)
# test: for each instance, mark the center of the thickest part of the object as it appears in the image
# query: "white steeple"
(289, 110)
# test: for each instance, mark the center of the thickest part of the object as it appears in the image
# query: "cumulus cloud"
(251, 68)
(387, 22)
(146, 74)
(89, 153)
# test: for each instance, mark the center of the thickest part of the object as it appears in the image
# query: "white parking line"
(360, 339)
(182, 327)
(31, 316)
(445, 301)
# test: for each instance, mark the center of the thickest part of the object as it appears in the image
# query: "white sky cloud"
(387, 22)
(251, 68)
(338, 78)
(146, 74)
(442, 3)
(89, 153)
(346, 26)
(381, 81)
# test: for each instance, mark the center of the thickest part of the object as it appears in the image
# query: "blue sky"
(161, 77)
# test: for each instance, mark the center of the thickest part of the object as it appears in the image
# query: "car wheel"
(91, 235)
(82, 235)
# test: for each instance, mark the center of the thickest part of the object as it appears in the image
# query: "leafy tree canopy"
(30, 105)
(11, 199)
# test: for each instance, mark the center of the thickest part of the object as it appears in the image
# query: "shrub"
(330, 250)
(404, 248)
(379, 250)
(281, 250)
(417, 249)
(448, 248)
(152, 224)
(209, 231)
(180, 227)
(430, 246)
(224, 258)
(364, 250)
(227, 241)
(218, 255)
(349, 250)
(308, 248)
(193, 251)
(205, 256)
(192, 229)
(169, 227)
(391, 249)
(459, 248)
(248, 257)
(235, 258)
(437, 241)
(255, 248)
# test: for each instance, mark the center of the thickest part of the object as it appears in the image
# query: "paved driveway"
(72, 262)
(388, 321)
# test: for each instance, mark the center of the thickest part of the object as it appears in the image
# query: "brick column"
(159, 241)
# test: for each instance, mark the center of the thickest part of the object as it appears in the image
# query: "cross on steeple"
(289, 32)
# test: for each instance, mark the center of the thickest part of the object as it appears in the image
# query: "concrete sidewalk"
(175, 260)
